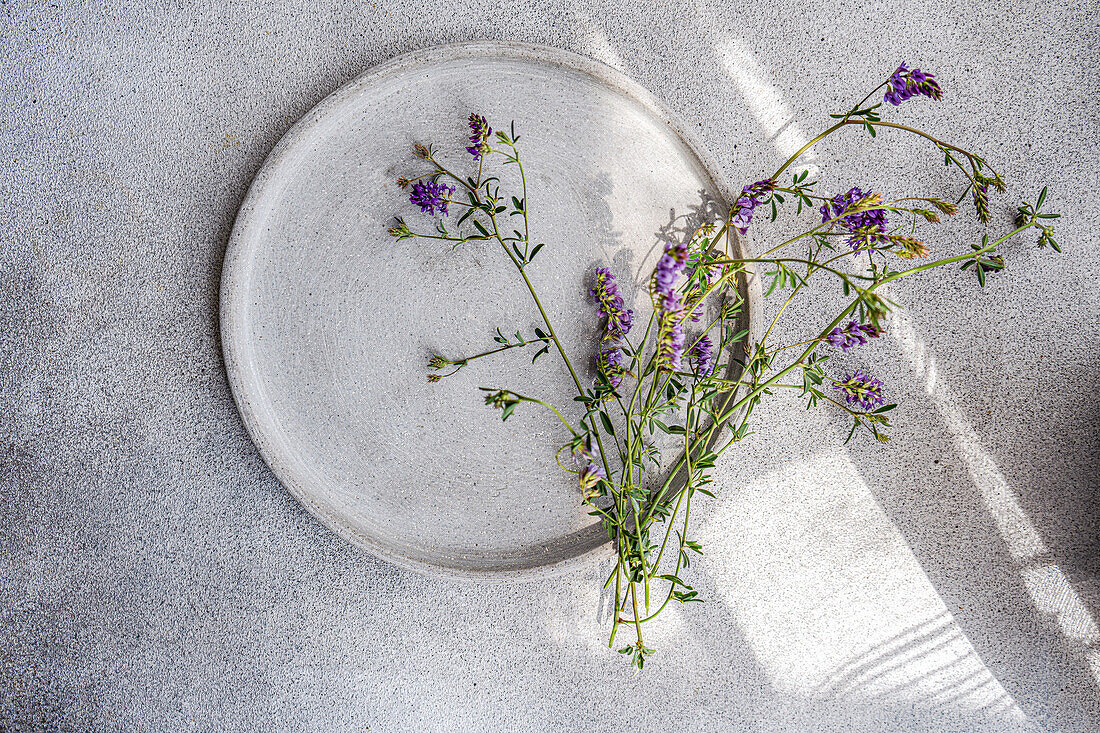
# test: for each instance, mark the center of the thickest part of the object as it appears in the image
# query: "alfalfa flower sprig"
(692, 380)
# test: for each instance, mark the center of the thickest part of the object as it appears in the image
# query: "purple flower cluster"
(669, 267)
(606, 292)
(862, 390)
(906, 84)
(610, 360)
(429, 196)
(479, 126)
(670, 333)
(702, 355)
(751, 195)
(866, 227)
(852, 335)
(590, 471)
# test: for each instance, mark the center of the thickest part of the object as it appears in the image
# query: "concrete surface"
(155, 576)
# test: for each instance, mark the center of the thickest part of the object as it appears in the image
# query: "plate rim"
(232, 287)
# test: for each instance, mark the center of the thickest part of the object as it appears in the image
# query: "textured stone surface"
(156, 576)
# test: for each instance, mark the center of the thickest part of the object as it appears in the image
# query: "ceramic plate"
(328, 322)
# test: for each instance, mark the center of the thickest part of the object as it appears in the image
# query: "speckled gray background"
(155, 576)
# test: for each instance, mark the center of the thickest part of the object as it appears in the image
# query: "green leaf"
(535, 251)
(607, 423)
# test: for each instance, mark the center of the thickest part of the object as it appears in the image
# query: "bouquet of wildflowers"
(692, 374)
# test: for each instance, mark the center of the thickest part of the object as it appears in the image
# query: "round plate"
(328, 322)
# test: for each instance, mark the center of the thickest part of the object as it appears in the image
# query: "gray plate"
(328, 323)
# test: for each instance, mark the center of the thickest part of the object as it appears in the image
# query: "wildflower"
(693, 301)
(590, 471)
(670, 333)
(702, 355)
(670, 330)
(751, 195)
(611, 362)
(862, 390)
(905, 84)
(429, 196)
(866, 227)
(400, 230)
(945, 206)
(669, 267)
(606, 292)
(422, 151)
(852, 335)
(906, 247)
(438, 362)
(479, 126)
(981, 202)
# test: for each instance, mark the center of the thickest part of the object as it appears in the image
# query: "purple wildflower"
(862, 390)
(905, 84)
(610, 360)
(670, 338)
(852, 335)
(481, 132)
(429, 196)
(670, 331)
(702, 355)
(751, 195)
(866, 227)
(590, 471)
(606, 292)
(669, 267)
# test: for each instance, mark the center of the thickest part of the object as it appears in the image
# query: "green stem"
(468, 359)
(550, 329)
